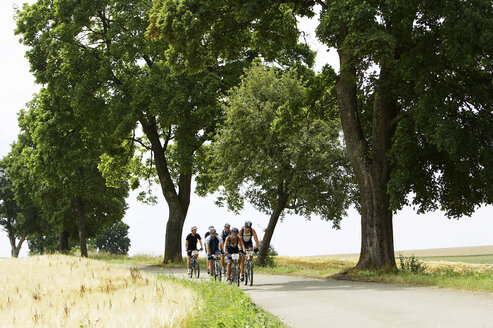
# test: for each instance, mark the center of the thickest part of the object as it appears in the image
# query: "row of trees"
(413, 92)
(169, 90)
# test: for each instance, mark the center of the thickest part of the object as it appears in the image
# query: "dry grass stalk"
(64, 291)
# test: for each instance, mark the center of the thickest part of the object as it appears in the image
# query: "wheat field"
(66, 291)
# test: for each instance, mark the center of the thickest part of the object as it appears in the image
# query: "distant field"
(477, 259)
(474, 254)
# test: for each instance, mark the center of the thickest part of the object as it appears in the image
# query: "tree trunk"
(370, 164)
(63, 242)
(274, 218)
(178, 202)
(14, 245)
(82, 227)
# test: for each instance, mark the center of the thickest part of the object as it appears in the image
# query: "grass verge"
(454, 275)
(224, 305)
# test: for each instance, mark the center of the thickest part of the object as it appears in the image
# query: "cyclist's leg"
(229, 267)
(189, 256)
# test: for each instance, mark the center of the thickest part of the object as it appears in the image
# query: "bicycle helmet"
(248, 224)
(234, 231)
(193, 228)
(226, 225)
(212, 230)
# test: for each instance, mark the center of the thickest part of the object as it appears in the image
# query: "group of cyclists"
(229, 241)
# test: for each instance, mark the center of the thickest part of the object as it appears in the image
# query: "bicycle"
(194, 265)
(249, 267)
(216, 267)
(235, 269)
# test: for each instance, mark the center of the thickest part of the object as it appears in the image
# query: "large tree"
(60, 166)
(279, 148)
(11, 218)
(414, 95)
(119, 83)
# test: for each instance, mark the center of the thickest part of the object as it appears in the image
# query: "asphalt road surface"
(302, 302)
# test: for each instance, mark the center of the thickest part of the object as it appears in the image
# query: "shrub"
(411, 264)
(115, 239)
(270, 259)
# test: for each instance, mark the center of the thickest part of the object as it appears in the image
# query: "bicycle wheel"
(247, 268)
(233, 274)
(250, 273)
(197, 269)
(218, 271)
(237, 275)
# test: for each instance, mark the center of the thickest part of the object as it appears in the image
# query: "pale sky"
(295, 236)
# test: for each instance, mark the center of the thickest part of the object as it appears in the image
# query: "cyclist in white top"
(247, 233)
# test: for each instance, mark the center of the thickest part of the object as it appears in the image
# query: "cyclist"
(246, 234)
(232, 245)
(213, 245)
(191, 245)
(224, 234)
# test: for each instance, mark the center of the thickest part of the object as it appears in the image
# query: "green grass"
(474, 281)
(478, 259)
(475, 277)
(224, 305)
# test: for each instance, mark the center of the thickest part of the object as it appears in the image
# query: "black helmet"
(226, 225)
(248, 224)
(234, 231)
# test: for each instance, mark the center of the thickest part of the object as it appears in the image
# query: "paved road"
(301, 302)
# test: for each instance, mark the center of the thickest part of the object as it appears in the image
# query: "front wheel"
(197, 269)
(247, 275)
(250, 273)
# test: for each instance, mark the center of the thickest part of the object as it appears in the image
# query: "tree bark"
(371, 165)
(178, 202)
(14, 245)
(269, 231)
(82, 227)
(63, 242)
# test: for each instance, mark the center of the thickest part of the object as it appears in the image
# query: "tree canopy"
(414, 96)
(279, 148)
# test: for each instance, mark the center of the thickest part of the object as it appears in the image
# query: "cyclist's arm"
(254, 233)
(206, 247)
(242, 244)
(186, 244)
(224, 245)
(201, 245)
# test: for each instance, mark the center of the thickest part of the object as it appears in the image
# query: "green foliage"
(200, 32)
(114, 239)
(226, 305)
(411, 264)
(277, 143)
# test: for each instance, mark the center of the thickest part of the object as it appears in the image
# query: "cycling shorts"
(189, 251)
(232, 250)
(248, 244)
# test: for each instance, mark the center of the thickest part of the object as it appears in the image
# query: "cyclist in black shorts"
(213, 245)
(191, 245)
(232, 245)
(247, 233)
